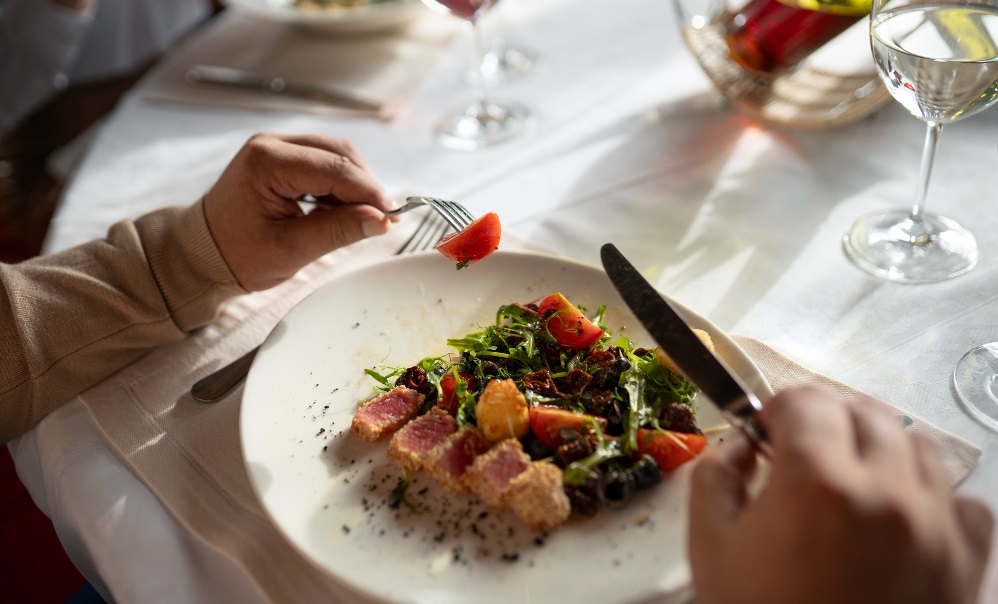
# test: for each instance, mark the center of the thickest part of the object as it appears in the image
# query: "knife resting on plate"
(238, 78)
(675, 338)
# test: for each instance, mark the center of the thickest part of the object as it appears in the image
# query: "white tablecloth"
(632, 145)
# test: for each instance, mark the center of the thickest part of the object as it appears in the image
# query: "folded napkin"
(189, 453)
(385, 67)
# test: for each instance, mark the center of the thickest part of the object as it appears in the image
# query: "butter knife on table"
(238, 78)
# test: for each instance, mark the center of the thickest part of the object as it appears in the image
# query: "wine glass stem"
(916, 229)
(477, 85)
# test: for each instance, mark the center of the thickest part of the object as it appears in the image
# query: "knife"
(227, 76)
(708, 373)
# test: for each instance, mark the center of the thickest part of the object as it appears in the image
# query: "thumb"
(324, 230)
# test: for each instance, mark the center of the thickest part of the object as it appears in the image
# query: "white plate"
(360, 19)
(327, 490)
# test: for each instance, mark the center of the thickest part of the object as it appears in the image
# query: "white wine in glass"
(481, 122)
(939, 59)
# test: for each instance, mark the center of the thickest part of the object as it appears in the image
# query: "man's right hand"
(854, 510)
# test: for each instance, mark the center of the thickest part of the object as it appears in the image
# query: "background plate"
(362, 19)
(329, 491)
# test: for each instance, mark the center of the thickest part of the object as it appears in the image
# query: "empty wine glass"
(938, 59)
(502, 63)
(976, 381)
(481, 122)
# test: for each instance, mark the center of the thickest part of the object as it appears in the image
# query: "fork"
(456, 215)
(434, 225)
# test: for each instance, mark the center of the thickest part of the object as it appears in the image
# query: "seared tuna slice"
(415, 440)
(448, 461)
(537, 496)
(489, 475)
(386, 413)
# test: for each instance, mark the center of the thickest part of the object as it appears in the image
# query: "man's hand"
(254, 216)
(854, 510)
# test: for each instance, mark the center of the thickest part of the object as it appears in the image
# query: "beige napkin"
(189, 453)
(959, 456)
(385, 67)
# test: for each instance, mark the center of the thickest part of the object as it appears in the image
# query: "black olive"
(646, 472)
(533, 447)
(614, 417)
(489, 369)
(612, 378)
(618, 486)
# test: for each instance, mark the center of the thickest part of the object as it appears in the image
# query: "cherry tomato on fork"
(474, 242)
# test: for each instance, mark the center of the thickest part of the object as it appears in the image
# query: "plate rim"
(289, 14)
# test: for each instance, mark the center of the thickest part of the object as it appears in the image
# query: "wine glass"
(502, 63)
(938, 59)
(481, 122)
(976, 382)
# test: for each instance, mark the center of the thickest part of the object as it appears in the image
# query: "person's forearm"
(69, 320)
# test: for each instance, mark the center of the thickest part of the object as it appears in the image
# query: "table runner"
(189, 454)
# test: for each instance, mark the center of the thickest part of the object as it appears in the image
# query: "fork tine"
(463, 212)
(445, 212)
(446, 209)
(428, 232)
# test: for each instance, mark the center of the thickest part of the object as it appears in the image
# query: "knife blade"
(238, 78)
(708, 373)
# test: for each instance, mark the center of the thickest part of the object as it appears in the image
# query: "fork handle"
(411, 203)
(219, 384)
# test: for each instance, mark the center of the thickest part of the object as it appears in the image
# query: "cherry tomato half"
(546, 422)
(474, 242)
(670, 449)
(567, 324)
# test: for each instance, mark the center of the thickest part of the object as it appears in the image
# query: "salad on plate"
(545, 412)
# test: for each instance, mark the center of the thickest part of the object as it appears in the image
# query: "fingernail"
(391, 203)
(373, 226)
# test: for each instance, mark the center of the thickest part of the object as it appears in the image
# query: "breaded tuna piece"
(415, 440)
(537, 496)
(386, 413)
(449, 460)
(489, 475)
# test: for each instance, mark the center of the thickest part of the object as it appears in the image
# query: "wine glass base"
(501, 65)
(976, 382)
(882, 244)
(482, 124)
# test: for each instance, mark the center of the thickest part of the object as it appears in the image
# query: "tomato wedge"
(567, 324)
(546, 421)
(448, 401)
(474, 242)
(670, 449)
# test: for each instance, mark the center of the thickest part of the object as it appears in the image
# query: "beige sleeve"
(71, 319)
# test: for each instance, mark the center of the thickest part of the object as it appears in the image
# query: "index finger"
(808, 426)
(339, 146)
(289, 171)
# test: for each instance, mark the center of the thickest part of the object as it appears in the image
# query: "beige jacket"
(71, 319)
